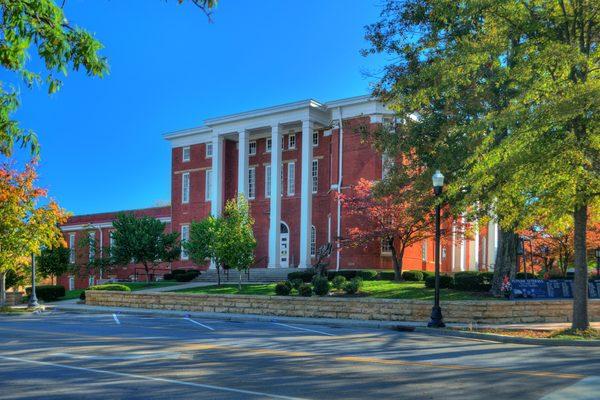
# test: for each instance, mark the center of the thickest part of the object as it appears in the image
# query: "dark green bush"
(288, 284)
(338, 282)
(168, 277)
(427, 273)
(353, 286)
(446, 281)
(305, 275)
(296, 283)
(386, 275)
(178, 271)
(111, 286)
(413, 276)
(321, 286)
(367, 274)
(305, 290)
(282, 289)
(470, 281)
(47, 292)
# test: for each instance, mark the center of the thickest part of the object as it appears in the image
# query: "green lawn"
(378, 289)
(74, 294)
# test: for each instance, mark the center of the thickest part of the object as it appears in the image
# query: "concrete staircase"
(256, 275)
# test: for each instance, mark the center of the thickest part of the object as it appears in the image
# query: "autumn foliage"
(396, 220)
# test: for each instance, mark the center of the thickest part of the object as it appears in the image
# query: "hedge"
(47, 292)
(446, 281)
(472, 281)
(187, 276)
(306, 275)
(414, 276)
(107, 286)
(386, 275)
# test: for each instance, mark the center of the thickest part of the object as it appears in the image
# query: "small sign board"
(550, 289)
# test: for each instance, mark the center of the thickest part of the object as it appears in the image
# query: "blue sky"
(102, 145)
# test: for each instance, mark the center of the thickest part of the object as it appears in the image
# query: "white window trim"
(184, 238)
(290, 136)
(385, 251)
(424, 250)
(183, 151)
(185, 197)
(251, 183)
(209, 153)
(315, 135)
(250, 152)
(313, 241)
(291, 179)
(207, 183)
(72, 248)
(268, 181)
(312, 177)
(267, 146)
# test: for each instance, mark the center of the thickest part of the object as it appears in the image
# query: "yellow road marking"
(330, 357)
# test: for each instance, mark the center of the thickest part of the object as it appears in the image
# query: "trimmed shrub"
(305, 290)
(427, 273)
(353, 286)
(296, 283)
(47, 292)
(305, 275)
(176, 272)
(321, 286)
(111, 286)
(288, 284)
(386, 275)
(168, 277)
(367, 274)
(446, 281)
(187, 276)
(470, 281)
(282, 289)
(413, 276)
(338, 282)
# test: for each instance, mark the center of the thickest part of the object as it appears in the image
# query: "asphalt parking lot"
(111, 356)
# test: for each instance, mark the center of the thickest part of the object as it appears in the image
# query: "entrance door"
(285, 246)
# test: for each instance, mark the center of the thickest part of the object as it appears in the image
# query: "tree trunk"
(397, 262)
(240, 281)
(506, 259)
(147, 273)
(580, 283)
(2, 289)
(218, 274)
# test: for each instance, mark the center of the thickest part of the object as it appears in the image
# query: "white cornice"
(101, 225)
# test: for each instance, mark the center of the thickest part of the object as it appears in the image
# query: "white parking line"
(116, 319)
(157, 355)
(198, 323)
(304, 329)
(151, 378)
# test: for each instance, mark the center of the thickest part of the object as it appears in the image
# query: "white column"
(216, 198)
(275, 210)
(306, 194)
(243, 162)
(476, 248)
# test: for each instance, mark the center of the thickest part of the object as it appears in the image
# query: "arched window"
(313, 241)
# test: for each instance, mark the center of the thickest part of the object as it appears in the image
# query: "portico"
(300, 118)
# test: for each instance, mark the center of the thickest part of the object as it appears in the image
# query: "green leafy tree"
(236, 242)
(517, 83)
(143, 240)
(201, 244)
(15, 278)
(54, 262)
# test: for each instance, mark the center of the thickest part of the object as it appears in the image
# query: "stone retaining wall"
(481, 311)
(14, 298)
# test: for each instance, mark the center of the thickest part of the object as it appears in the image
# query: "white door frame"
(284, 261)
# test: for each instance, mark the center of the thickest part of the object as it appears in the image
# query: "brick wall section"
(487, 312)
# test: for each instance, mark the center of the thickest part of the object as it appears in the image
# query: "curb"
(401, 326)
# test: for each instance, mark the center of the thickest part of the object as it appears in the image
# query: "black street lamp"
(33, 301)
(437, 320)
(598, 263)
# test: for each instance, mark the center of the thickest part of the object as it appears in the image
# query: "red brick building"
(317, 150)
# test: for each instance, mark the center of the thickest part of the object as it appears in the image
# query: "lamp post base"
(436, 319)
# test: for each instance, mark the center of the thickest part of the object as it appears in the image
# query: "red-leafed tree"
(398, 219)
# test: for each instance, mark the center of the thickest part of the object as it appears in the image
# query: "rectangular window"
(207, 184)
(185, 236)
(92, 241)
(209, 150)
(269, 145)
(185, 157)
(424, 250)
(315, 176)
(315, 138)
(267, 181)
(72, 248)
(283, 143)
(292, 141)
(252, 148)
(251, 183)
(185, 187)
(385, 247)
(313, 241)
(291, 182)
